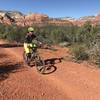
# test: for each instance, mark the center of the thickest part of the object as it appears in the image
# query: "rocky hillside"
(79, 22)
(15, 17)
(18, 18)
(93, 19)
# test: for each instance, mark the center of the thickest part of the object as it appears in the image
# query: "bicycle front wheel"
(40, 64)
(26, 58)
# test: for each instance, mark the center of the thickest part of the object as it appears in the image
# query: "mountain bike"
(34, 59)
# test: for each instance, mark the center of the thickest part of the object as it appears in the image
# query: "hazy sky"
(54, 8)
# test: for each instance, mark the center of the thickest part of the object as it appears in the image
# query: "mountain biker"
(30, 36)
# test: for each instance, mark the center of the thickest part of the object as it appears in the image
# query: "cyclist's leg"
(26, 48)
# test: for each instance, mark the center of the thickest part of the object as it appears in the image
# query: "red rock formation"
(35, 18)
(42, 19)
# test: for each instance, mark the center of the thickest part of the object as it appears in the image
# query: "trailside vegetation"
(84, 41)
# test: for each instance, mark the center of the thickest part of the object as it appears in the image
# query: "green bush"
(79, 52)
(94, 51)
(13, 33)
(52, 34)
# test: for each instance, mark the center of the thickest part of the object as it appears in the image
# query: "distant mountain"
(11, 13)
(18, 18)
(8, 17)
(93, 19)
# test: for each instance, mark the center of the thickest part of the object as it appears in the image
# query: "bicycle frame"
(36, 59)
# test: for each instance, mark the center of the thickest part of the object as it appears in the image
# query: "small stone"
(43, 94)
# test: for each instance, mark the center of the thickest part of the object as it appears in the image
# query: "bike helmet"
(30, 29)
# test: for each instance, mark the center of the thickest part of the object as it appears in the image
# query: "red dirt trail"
(70, 81)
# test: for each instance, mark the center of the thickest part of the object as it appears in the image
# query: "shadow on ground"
(50, 65)
(10, 45)
(6, 69)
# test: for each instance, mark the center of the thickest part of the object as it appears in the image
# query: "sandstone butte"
(15, 17)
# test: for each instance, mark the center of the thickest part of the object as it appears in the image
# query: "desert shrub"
(2, 30)
(16, 33)
(87, 38)
(94, 51)
(79, 52)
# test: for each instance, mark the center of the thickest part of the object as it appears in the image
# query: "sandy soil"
(67, 81)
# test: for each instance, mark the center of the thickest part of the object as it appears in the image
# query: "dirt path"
(71, 81)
